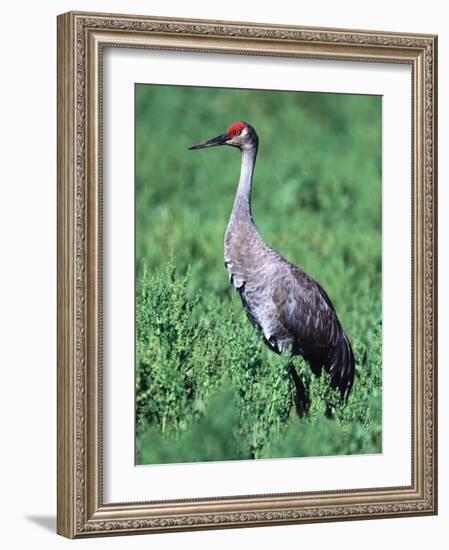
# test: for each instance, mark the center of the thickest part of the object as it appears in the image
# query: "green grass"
(206, 386)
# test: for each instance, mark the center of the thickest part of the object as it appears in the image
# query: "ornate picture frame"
(82, 38)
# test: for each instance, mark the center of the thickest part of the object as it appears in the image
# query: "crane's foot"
(301, 400)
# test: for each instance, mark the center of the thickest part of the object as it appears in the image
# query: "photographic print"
(258, 265)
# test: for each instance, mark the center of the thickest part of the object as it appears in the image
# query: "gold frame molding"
(81, 39)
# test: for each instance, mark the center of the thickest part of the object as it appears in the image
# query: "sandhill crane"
(293, 312)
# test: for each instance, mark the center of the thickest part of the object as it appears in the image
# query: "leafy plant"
(208, 389)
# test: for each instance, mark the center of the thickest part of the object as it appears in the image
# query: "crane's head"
(239, 134)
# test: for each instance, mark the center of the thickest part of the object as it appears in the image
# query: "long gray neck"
(242, 203)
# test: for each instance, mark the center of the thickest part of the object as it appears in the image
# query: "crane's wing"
(305, 309)
(307, 313)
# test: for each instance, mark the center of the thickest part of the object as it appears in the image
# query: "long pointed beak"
(219, 140)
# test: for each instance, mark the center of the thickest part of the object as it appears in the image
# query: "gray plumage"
(290, 308)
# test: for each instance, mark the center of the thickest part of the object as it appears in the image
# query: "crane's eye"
(237, 132)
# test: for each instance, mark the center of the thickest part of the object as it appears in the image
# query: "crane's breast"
(251, 264)
(242, 254)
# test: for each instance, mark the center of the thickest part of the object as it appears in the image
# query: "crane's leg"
(302, 401)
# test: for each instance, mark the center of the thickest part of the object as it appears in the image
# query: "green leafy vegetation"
(206, 386)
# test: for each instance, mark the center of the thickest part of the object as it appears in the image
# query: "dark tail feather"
(340, 366)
